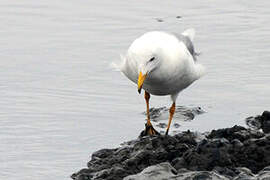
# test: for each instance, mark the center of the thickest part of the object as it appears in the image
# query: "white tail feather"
(189, 33)
(118, 66)
(114, 66)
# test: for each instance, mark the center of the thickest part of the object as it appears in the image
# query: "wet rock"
(260, 122)
(159, 171)
(136, 155)
(227, 172)
(236, 132)
(265, 121)
(254, 122)
(166, 171)
(264, 174)
(231, 148)
(229, 153)
(207, 155)
(161, 125)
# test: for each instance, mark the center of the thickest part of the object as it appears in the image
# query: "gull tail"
(190, 33)
(120, 65)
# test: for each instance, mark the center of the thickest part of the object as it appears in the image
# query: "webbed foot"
(149, 131)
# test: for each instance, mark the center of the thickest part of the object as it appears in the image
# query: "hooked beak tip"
(140, 82)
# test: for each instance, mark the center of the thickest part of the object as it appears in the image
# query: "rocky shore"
(237, 153)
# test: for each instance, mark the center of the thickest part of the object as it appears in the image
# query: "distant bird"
(162, 63)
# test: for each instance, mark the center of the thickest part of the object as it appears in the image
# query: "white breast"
(177, 69)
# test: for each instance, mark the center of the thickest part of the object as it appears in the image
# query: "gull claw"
(149, 131)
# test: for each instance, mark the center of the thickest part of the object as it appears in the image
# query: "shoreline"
(229, 153)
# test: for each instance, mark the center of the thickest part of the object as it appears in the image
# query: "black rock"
(164, 171)
(260, 122)
(230, 153)
(265, 121)
(134, 156)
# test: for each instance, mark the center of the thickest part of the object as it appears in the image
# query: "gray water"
(60, 100)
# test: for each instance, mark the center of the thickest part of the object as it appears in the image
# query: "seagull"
(162, 64)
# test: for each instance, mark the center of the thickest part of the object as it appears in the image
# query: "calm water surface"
(60, 100)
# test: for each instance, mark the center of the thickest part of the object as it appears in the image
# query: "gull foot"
(149, 131)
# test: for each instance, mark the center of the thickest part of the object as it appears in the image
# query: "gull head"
(145, 68)
(146, 55)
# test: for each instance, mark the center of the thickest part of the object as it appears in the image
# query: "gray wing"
(188, 44)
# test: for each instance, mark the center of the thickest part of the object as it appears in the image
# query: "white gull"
(162, 63)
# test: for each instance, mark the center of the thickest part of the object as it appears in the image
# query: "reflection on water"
(60, 101)
(159, 117)
(182, 113)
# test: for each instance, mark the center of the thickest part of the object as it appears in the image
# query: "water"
(60, 100)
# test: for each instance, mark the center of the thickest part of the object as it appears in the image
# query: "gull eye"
(152, 59)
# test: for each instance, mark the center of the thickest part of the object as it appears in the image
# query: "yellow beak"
(141, 79)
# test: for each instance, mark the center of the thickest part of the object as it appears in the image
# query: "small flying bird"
(162, 63)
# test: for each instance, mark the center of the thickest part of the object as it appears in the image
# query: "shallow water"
(60, 100)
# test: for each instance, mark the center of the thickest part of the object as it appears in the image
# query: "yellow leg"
(172, 110)
(149, 130)
(147, 97)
